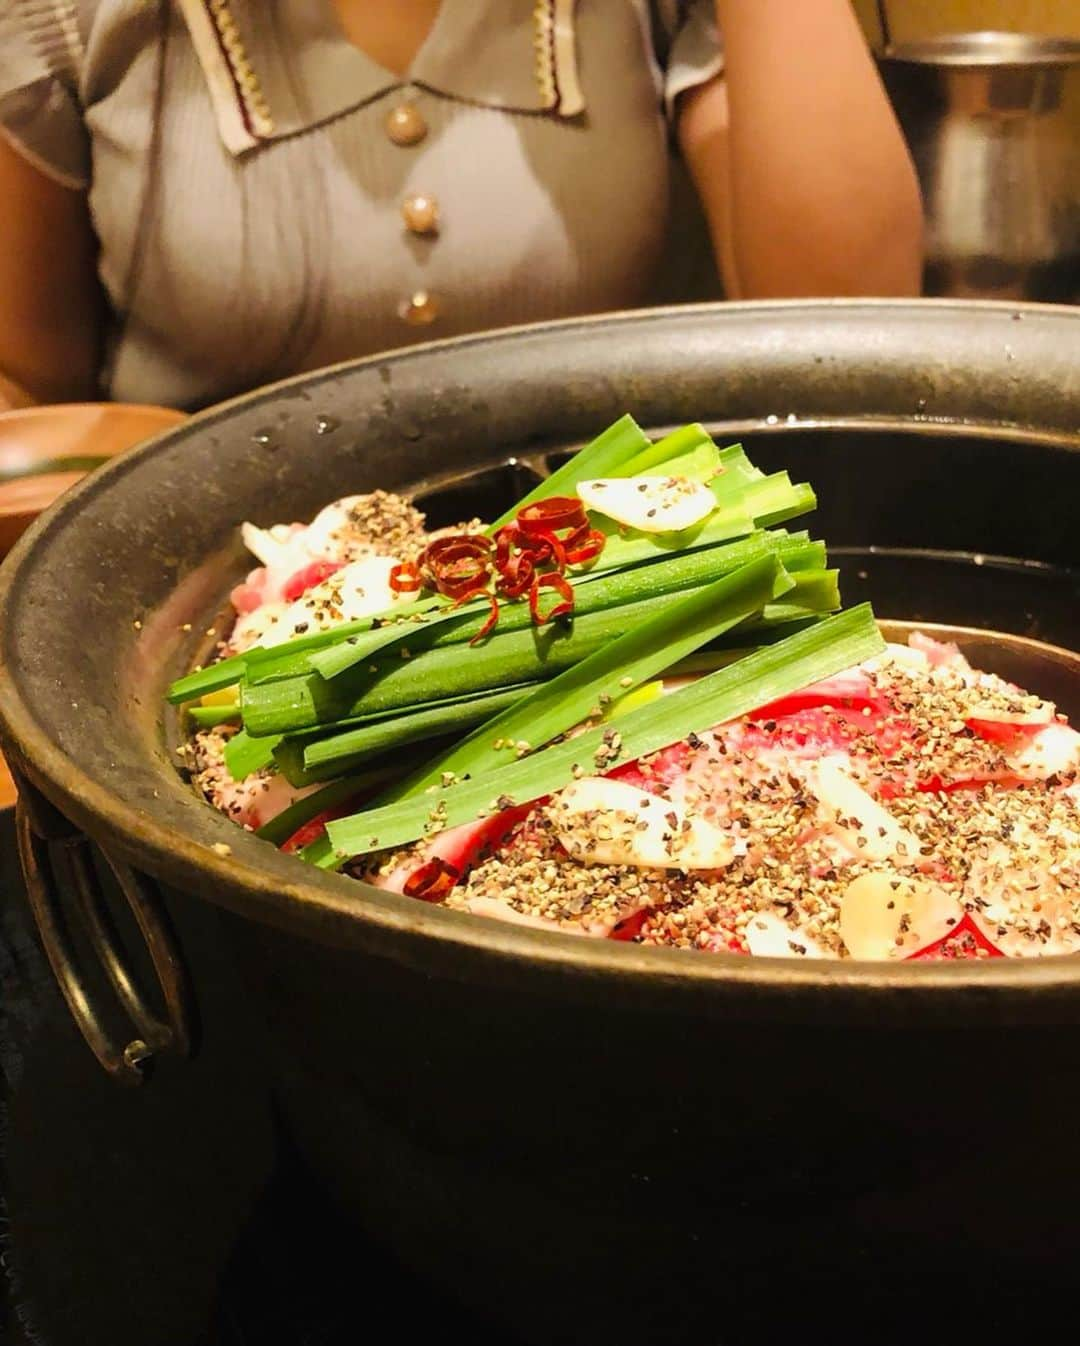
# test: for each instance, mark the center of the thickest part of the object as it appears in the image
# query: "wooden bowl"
(44, 450)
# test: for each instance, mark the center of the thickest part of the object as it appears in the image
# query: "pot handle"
(57, 861)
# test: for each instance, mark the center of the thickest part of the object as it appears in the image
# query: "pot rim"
(263, 885)
(986, 49)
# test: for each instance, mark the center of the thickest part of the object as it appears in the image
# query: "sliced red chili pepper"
(307, 832)
(493, 617)
(432, 881)
(538, 548)
(405, 578)
(583, 543)
(562, 586)
(504, 544)
(490, 624)
(455, 545)
(315, 827)
(544, 546)
(457, 564)
(449, 564)
(463, 568)
(589, 549)
(516, 576)
(630, 928)
(464, 587)
(557, 511)
(1005, 780)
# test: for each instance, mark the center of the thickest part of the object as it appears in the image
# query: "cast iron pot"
(593, 1140)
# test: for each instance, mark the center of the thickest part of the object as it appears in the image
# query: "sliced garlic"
(902, 655)
(607, 822)
(503, 911)
(885, 915)
(358, 590)
(1042, 714)
(768, 936)
(331, 528)
(649, 504)
(870, 831)
(1021, 906)
(1054, 751)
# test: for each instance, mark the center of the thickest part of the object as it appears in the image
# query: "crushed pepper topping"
(1011, 852)
(381, 524)
(1006, 846)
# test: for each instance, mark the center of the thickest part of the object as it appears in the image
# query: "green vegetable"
(761, 496)
(205, 680)
(333, 659)
(800, 500)
(305, 762)
(740, 510)
(813, 590)
(656, 458)
(735, 470)
(270, 663)
(527, 655)
(747, 638)
(797, 551)
(671, 456)
(304, 759)
(818, 652)
(609, 454)
(245, 754)
(643, 650)
(319, 853)
(602, 458)
(591, 594)
(700, 464)
(261, 658)
(207, 717)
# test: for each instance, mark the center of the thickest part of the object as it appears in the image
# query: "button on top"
(421, 214)
(419, 309)
(405, 124)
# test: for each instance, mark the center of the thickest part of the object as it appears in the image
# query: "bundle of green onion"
(734, 597)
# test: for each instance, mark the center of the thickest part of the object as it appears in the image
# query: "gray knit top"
(269, 199)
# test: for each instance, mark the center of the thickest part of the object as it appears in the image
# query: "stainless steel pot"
(993, 121)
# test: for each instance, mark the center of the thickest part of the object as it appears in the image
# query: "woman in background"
(202, 196)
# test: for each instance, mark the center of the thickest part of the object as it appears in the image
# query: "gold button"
(405, 124)
(421, 214)
(419, 309)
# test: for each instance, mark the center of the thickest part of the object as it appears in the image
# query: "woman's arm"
(803, 171)
(51, 305)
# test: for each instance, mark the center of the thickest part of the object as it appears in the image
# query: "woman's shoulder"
(42, 61)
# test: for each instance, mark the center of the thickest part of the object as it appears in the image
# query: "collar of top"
(276, 71)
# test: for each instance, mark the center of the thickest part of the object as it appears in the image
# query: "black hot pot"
(594, 1141)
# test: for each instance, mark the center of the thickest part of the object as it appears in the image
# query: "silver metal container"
(993, 121)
